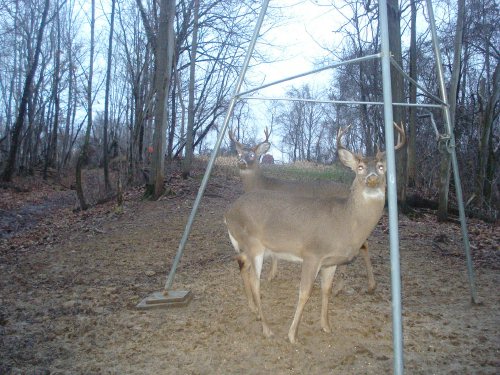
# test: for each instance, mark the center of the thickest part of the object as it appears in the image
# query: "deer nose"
(372, 180)
(242, 163)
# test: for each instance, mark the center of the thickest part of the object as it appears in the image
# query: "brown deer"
(253, 179)
(321, 233)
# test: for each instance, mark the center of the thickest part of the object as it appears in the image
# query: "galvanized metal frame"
(397, 325)
(346, 102)
(386, 58)
(451, 150)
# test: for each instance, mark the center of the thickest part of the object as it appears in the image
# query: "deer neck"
(252, 178)
(364, 208)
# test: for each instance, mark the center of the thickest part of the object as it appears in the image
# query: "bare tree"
(188, 157)
(51, 154)
(444, 173)
(163, 47)
(137, 54)
(27, 92)
(412, 120)
(106, 98)
(487, 155)
(84, 153)
(397, 85)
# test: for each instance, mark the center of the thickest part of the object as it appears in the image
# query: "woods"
(139, 82)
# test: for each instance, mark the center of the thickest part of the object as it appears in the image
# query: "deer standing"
(253, 179)
(321, 233)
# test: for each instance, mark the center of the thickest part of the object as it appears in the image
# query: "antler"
(233, 138)
(401, 136)
(340, 134)
(267, 133)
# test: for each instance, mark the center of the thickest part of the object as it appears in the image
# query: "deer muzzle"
(242, 164)
(372, 180)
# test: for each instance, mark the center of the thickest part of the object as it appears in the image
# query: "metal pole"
(397, 328)
(187, 230)
(335, 65)
(346, 102)
(452, 151)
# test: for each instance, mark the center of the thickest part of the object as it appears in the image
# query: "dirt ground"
(70, 283)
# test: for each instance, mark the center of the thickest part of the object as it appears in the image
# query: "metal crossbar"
(418, 85)
(346, 102)
(319, 70)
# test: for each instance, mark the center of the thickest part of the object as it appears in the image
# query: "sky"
(304, 27)
(297, 41)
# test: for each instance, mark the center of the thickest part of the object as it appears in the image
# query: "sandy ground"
(68, 300)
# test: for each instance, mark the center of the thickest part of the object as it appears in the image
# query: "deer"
(321, 233)
(253, 179)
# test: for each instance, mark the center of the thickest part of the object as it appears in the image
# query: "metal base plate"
(166, 299)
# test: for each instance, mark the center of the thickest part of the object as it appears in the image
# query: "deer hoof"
(292, 338)
(271, 276)
(253, 309)
(371, 288)
(267, 331)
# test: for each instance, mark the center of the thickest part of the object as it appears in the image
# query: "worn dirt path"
(67, 303)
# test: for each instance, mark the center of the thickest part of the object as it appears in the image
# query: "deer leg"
(339, 284)
(245, 269)
(369, 268)
(274, 268)
(308, 275)
(255, 287)
(257, 266)
(327, 274)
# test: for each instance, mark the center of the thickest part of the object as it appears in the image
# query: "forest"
(129, 85)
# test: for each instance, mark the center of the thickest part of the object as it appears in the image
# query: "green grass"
(301, 171)
(309, 172)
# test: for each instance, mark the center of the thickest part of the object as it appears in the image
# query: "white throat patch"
(374, 194)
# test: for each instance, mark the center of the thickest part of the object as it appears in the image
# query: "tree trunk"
(412, 121)
(107, 184)
(82, 158)
(51, 159)
(163, 70)
(397, 84)
(173, 122)
(445, 165)
(27, 92)
(69, 110)
(188, 156)
(486, 154)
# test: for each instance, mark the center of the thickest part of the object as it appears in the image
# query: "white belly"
(284, 256)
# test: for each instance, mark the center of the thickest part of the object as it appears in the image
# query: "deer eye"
(251, 155)
(380, 167)
(361, 167)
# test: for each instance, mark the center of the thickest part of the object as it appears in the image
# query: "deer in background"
(321, 233)
(253, 179)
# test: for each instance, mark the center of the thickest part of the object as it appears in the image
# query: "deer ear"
(348, 159)
(262, 148)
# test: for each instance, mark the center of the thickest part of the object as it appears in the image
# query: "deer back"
(253, 178)
(331, 228)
